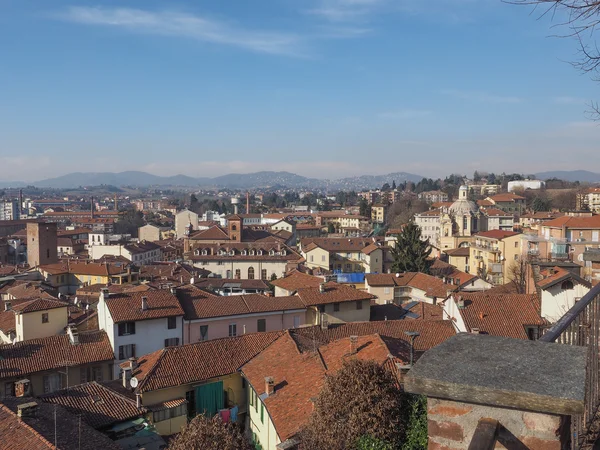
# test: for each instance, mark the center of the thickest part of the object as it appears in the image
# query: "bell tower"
(234, 224)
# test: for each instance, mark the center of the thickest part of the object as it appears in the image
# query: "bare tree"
(205, 433)
(361, 400)
(580, 18)
(517, 273)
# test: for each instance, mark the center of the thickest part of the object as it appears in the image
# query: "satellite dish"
(133, 382)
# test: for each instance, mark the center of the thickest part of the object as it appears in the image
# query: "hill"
(583, 176)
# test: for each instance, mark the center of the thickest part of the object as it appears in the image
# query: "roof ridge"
(148, 374)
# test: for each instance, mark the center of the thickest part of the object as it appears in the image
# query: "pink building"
(208, 316)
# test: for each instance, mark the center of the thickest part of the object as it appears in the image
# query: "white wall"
(266, 434)
(452, 312)
(149, 335)
(556, 301)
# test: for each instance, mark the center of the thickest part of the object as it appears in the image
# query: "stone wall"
(451, 425)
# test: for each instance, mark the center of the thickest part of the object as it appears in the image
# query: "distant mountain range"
(582, 176)
(255, 180)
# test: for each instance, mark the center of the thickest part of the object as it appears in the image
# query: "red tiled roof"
(195, 363)
(506, 197)
(497, 234)
(297, 280)
(167, 405)
(495, 212)
(432, 286)
(29, 290)
(424, 311)
(52, 353)
(127, 306)
(199, 304)
(559, 276)
(213, 233)
(333, 293)
(431, 333)
(461, 251)
(592, 222)
(98, 405)
(38, 431)
(339, 244)
(501, 315)
(224, 283)
(300, 376)
(38, 304)
(484, 203)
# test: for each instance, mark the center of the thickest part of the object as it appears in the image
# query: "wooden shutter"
(121, 355)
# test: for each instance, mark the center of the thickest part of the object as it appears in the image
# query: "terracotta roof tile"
(592, 222)
(30, 290)
(194, 363)
(297, 280)
(497, 234)
(340, 244)
(461, 251)
(38, 431)
(38, 304)
(51, 353)
(333, 293)
(127, 306)
(300, 376)
(500, 314)
(199, 304)
(490, 212)
(505, 197)
(98, 405)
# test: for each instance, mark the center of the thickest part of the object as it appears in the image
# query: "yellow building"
(492, 255)
(177, 383)
(379, 213)
(345, 255)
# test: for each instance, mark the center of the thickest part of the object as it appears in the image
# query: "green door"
(209, 398)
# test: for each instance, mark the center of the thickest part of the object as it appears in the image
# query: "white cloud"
(478, 96)
(345, 10)
(404, 114)
(190, 26)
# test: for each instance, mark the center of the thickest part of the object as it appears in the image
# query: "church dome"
(463, 206)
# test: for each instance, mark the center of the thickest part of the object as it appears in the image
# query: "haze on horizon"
(321, 88)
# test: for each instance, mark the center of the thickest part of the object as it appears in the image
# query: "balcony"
(559, 256)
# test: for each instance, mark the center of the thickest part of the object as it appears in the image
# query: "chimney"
(126, 376)
(133, 363)
(247, 203)
(192, 280)
(20, 202)
(322, 288)
(104, 293)
(92, 207)
(144, 303)
(173, 290)
(22, 388)
(269, 386)
(7, 306)
(73, 334)
(353, 344)
(27, 409)
(138, 400)
(324, 324)
(481, 316)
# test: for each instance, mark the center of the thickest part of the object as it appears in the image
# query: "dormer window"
(260, 252)
(272, 253)
(252, 252)
(231, 252)
(197, 252)
(244, 252)
(204, 252)
(282, 252)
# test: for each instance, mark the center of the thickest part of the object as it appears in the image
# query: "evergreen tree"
(393, 185)
(411, 254)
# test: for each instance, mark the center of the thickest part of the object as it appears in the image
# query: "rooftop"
(127, 306)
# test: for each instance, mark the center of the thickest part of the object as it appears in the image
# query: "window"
(516, 244)
(263, 274)
(321, 308)
(97, 373)
(48, 253)
(204, 332)
(44, 317)
(322, 258)
(262, 413)
(126, 328)
(171, 323)
(336, 307)
(261, 325)
(312, 258)
(166, 414)
(52, 383)
(172, 342)
(232, 329)
(9, 389)
(567, 284)
(296, 321)
(238, 274)
(358, 304)
(386, 290)
(126, 351)
(251, 273)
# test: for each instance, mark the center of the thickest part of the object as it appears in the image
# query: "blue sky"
(324, 88)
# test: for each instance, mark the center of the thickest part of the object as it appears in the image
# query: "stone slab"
(512, 373)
